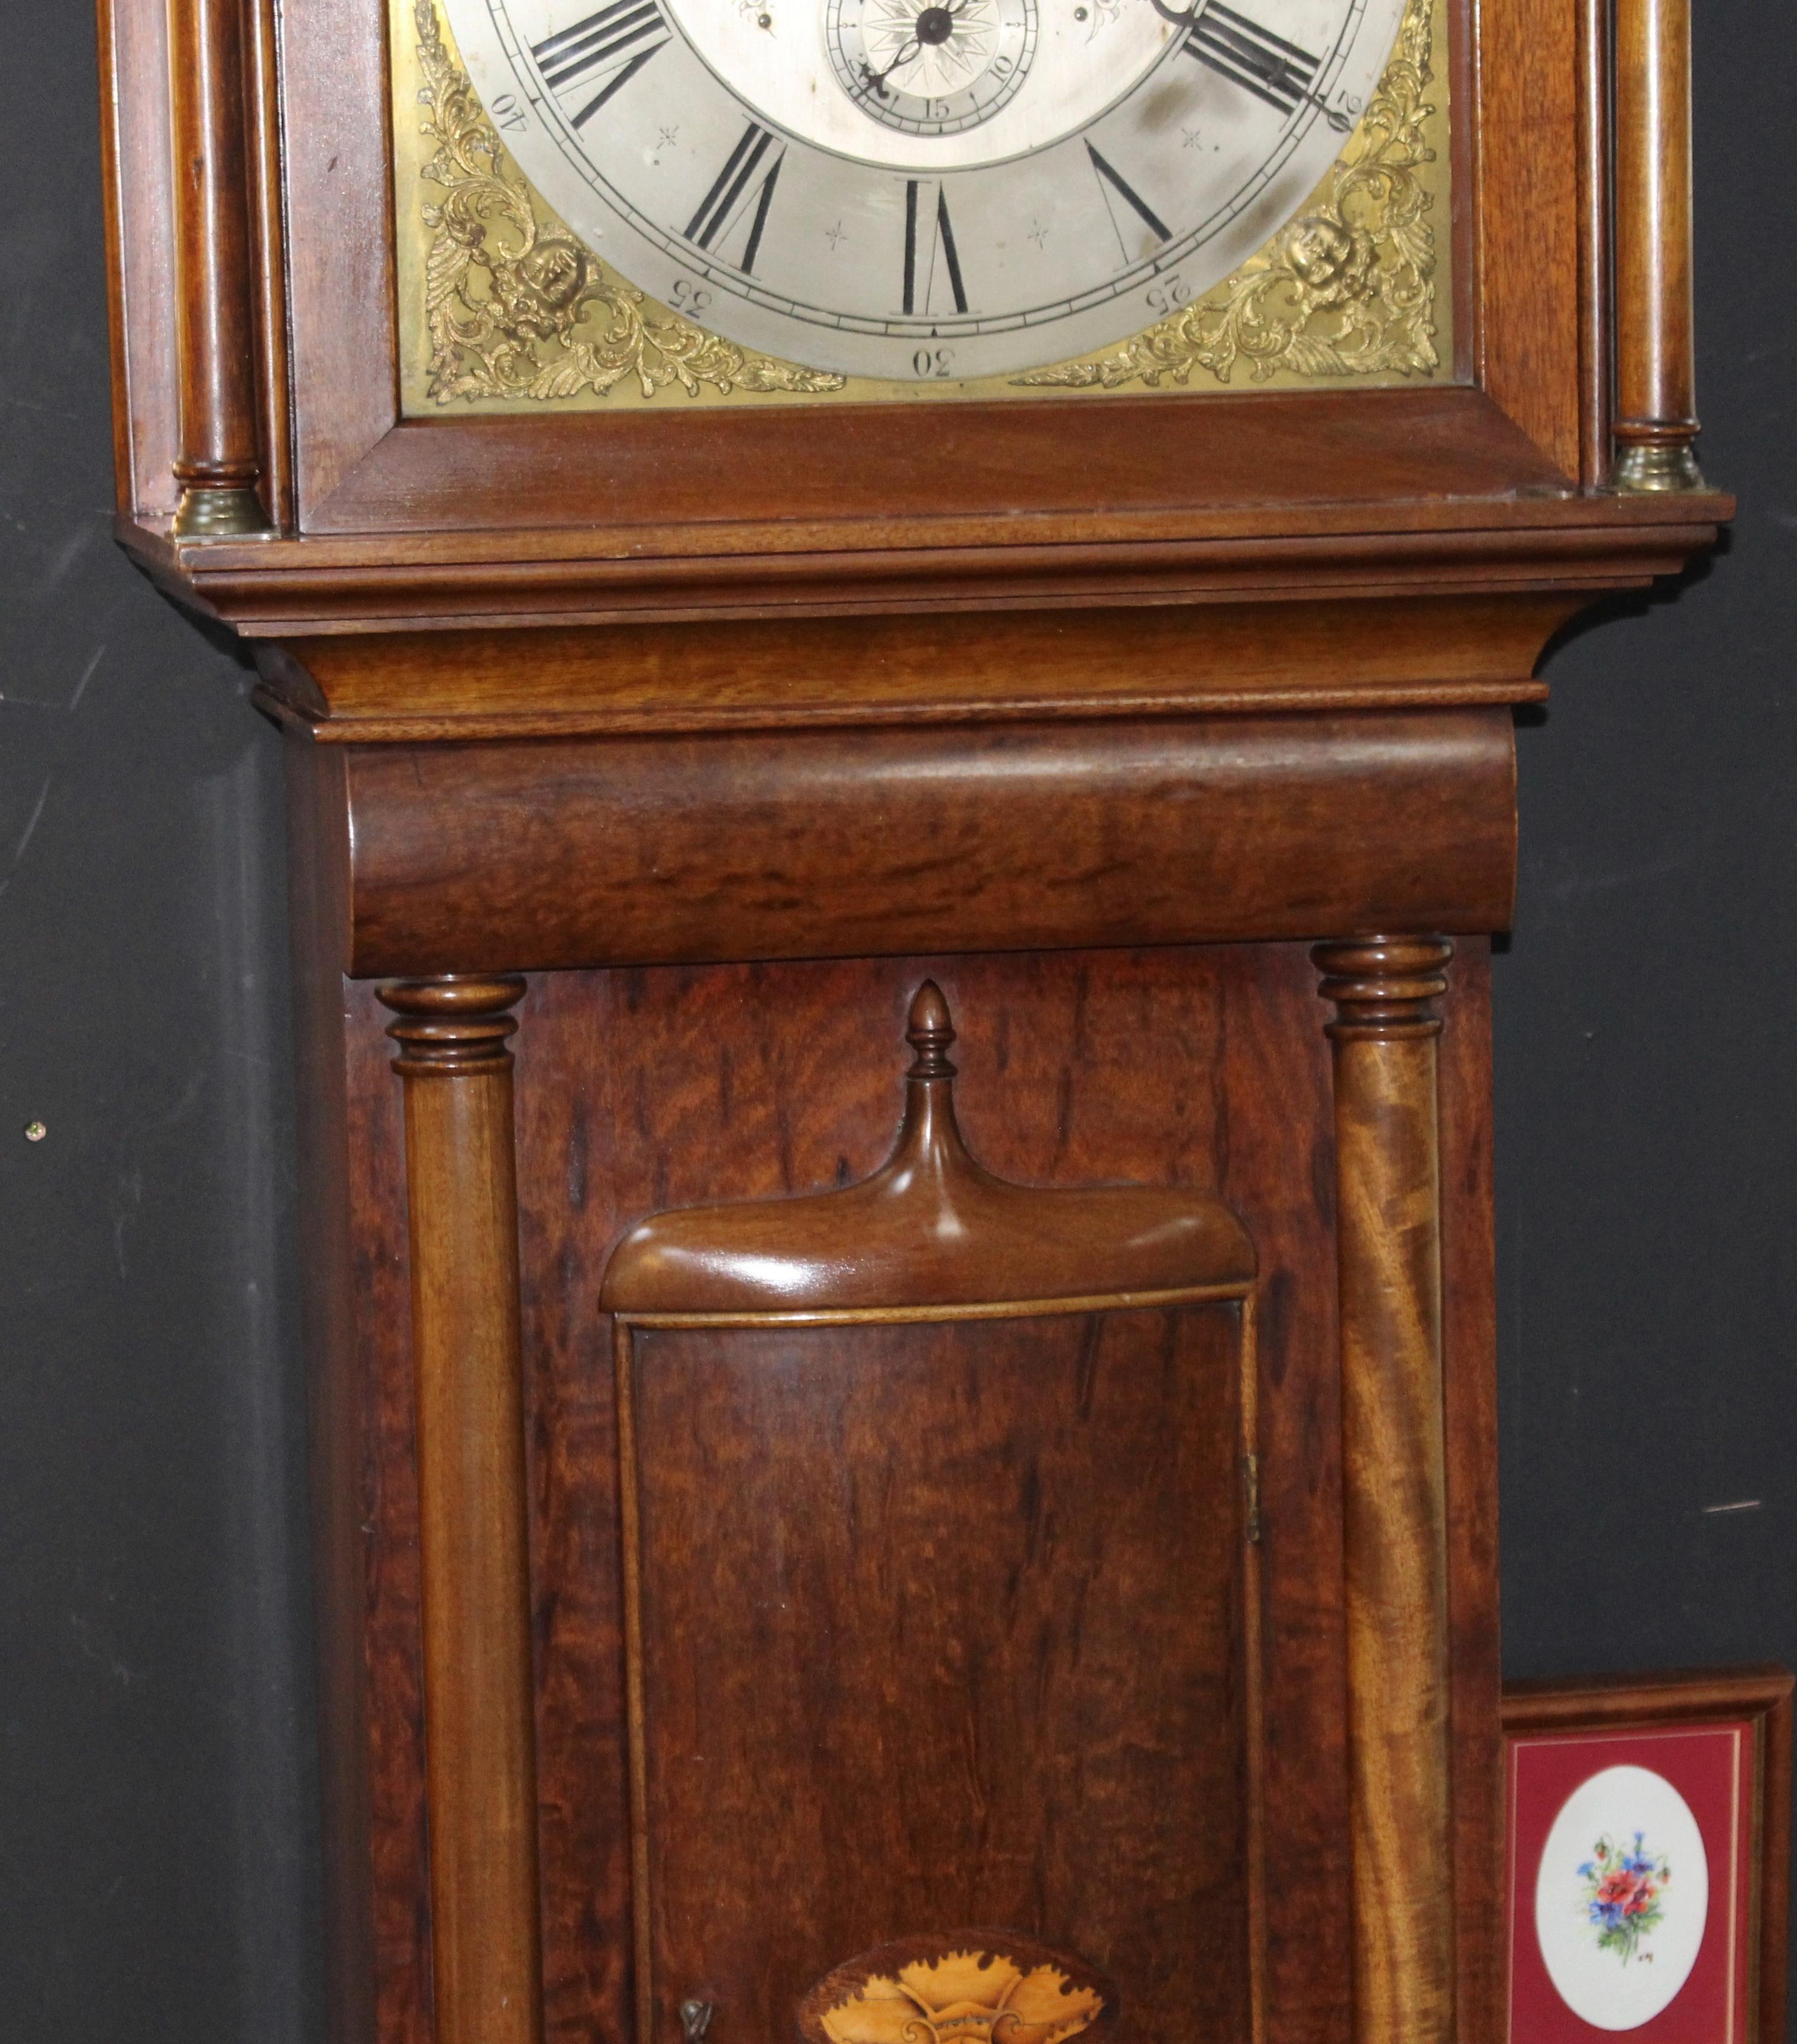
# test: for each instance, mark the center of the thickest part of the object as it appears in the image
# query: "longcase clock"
(895, 627)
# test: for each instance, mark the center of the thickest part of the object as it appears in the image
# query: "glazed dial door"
(938, 188)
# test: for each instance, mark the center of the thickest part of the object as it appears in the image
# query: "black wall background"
(158, 1850)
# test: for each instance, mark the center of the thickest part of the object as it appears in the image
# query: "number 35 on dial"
(937, 189)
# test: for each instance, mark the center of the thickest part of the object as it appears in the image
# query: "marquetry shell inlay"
(957, 1990)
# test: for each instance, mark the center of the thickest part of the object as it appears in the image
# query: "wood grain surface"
(644, 1090)
(1527, 203)
(1469, 1406)
(1655, 331)
(1394, 1481)
(479, 1686)
(930, 1231)
(1527, 536)
(942, 1624)
(640, 1090)
(137, 167)
(218, 450)
(335, 1304)
(1228, 659)
(1596, 316)
(542, 854)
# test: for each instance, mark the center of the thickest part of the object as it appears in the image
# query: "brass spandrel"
(1346, 290)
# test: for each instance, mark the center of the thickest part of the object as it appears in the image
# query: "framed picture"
(1648, 1831)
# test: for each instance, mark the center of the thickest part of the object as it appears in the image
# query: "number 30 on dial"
(942, 189)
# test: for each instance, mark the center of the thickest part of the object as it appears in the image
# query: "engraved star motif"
(1038, 234)
(833, 235)
(1192, 138)
(668, 137)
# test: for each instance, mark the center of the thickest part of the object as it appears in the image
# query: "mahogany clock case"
(641, 778)
(160, 1824)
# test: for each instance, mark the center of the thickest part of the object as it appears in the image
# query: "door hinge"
(1251, 1496)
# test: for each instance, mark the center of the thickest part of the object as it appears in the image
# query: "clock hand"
(934, 25)
(875, 80)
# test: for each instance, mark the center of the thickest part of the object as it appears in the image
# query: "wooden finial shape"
(931, 1227)
(930, 1032)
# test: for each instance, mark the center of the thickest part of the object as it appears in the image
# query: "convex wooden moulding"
(803, 1551)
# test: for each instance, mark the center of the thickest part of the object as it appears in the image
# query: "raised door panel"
(944, 1625)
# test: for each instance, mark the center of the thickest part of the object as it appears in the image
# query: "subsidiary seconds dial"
(941, 188)
(930, 67)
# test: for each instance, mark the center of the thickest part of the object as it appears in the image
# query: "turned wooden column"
(1388, 1234)
(1656, 344)
(218, 463)
(461, 1185)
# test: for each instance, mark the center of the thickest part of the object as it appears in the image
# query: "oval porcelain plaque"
(1621, 1896)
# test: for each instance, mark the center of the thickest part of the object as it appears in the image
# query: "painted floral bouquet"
(1623, 1890)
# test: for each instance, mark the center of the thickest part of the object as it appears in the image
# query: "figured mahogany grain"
(286, 592)
(339, 259)
(1394, 1481)
(1596, 322)
(539, 854)
(942, 1626)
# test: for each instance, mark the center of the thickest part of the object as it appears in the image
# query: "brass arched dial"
(939, 189)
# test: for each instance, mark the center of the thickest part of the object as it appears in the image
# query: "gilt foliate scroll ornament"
(517, 307)
(965, 1987)
(1347, 290)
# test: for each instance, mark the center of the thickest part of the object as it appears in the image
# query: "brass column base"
(234, 512)
(1649, 465)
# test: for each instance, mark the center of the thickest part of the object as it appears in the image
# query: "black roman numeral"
(1131, 197)
(942, 236)
(609, 48)
(1252, 57)
(728, 198)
